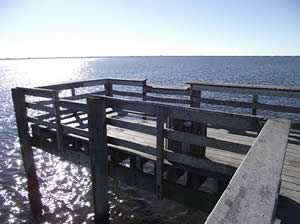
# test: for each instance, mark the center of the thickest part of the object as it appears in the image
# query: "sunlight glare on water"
(66, 188)
(41, 72)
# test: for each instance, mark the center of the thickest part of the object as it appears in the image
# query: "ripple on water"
(66, 188)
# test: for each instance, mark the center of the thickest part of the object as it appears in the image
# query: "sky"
(42, 28)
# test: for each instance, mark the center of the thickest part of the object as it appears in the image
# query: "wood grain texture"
(252, 192)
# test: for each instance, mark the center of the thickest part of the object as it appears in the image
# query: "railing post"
(160, 152)
(144, 89)
(197, 128)
(194, 95)
(98, 155)
(59, 129)
(254, 103)
(194, 181)
(73, 93)
(108, 87)
(27, 152)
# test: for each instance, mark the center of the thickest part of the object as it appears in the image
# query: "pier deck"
(289, 201)
(231, 166)
(290, 186)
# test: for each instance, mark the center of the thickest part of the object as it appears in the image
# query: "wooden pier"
(232, 166)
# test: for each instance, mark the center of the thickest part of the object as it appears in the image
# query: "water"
(66, 188)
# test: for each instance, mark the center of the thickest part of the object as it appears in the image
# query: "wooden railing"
(251, 196)
(191, 95)
(269, 147)
(97, 109)
(255, 90)
(245, 190)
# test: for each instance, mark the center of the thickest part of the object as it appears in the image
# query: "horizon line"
(115, 56)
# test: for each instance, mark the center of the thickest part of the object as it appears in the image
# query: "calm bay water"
(66, 188)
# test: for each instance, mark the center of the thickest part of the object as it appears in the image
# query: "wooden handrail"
(247, 88)
(253, 190)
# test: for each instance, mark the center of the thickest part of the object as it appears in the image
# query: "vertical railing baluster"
(254, 104)
(144, 90)
(108, 87)
(73, 92)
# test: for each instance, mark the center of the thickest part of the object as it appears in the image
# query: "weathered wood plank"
(108, 88)
(41, 122)
(39, 107)
(75, 131)
(268, 90)
(228, 103)
(59, 129)
(127, 82)
(132, 145)
(143, 107)
(167, 100)
(278, 108)
(168, 90)
(73, 105)
(26, 150)
(252, 192)
(235, 121)
(144, 90)
(73, 97)
(130, 94)
(38, 92)
(254, 104)
(207, 141)
(132, 126)
(200, 163)
(99, 156)
(160, 153)
(78, 84)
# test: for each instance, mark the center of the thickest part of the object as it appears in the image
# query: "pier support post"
(98, 155)
(59, 128)
(160, 152)
(27, 152)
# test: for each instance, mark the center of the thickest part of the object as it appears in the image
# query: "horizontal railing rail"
(267, 90)
(77, 84)
(230, 120)
(255, 90)
(190, 95)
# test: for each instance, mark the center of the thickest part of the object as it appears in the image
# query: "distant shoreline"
(95, 57)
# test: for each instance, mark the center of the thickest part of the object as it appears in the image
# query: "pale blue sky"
(126, 27)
